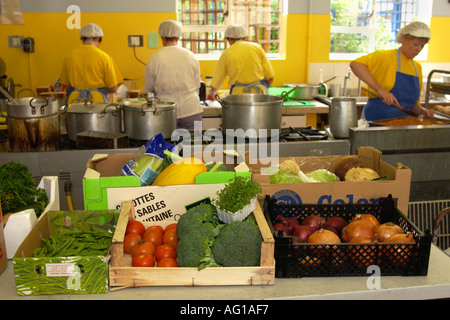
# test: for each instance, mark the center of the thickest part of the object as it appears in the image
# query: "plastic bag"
(147, 163)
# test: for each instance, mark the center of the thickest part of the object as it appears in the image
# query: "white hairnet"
(170, 29)
(416, 29)
(91, 30)
(236, 31)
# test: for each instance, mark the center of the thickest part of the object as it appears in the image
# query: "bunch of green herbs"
(18, 191)
(237, 194)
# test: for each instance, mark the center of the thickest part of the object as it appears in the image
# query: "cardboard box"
(104, 172)
(340, 191)
(63, 275)
(123, 275)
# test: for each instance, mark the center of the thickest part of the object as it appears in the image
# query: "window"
(204, 23)
(362, 26)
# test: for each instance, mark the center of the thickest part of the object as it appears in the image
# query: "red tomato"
(170, 238)
(159, 228)
(135, 227)
(167, 262)
(171, 226)
(144, 247)
(143, 260)
(165, 251)
(130, 241)
(154, 236)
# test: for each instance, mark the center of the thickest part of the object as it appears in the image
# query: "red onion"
(281, 227)
(314, 221)
(335, 224)
(289, 222)
(302, 233)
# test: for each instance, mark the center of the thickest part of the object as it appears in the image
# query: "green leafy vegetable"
(323, 175)
(238, 244)
(196, 230)
(285, 177)
(17, 189)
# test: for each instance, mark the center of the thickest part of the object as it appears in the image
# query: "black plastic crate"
(294, 260)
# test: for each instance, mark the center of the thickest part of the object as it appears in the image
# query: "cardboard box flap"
(33, 240)
(110, 165)
(370, 157)
(91, 174)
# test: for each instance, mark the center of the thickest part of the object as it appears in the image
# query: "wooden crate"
(123, 275)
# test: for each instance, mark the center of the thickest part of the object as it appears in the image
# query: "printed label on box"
(60, 269)
(161, 204)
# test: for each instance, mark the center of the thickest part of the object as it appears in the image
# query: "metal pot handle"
(114, 112)
(150, 107)
(33, 108)
(25, 89)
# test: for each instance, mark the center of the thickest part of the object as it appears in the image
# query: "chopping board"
(278, 91)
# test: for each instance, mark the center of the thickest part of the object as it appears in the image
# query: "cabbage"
(323, 175)
(285, 177)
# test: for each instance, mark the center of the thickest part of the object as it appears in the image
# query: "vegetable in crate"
(195, 217)
(196, 230)
(17, 189)
(76, 243)
(238, 244)
(237, 194)
(182, 171)
(147, 162)
(289, 172)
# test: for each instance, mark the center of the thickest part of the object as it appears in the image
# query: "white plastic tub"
(20, 223)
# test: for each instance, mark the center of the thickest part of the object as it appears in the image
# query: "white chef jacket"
(173, 74)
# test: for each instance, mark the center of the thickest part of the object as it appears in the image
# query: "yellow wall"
(306, 39)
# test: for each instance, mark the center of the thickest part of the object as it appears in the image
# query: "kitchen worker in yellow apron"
(394, 75)
(88, 69)
(245, 63)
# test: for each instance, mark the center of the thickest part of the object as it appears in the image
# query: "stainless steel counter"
(436, 285)
(424, 149)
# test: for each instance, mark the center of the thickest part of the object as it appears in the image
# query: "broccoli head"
(238, 244)
(195, 217)
(194, 249)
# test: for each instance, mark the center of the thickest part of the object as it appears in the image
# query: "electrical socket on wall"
(15, 41)
(136, 41)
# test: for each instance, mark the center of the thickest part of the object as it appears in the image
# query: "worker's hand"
(420, 110)
(428, 113)
(211, 97)
(388, 98)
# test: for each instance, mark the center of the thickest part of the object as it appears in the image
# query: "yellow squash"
(182, 171)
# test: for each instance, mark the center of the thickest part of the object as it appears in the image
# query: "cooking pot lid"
(37, 102)
(89, 108)
(140, 103)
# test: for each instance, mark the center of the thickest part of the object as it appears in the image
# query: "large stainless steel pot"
(145, 119)
(304, 91)
(33, 124)
(89, 116)
(251, 111)
(32, 107)
(343, 116)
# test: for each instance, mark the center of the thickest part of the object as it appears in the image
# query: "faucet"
(347, 77)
